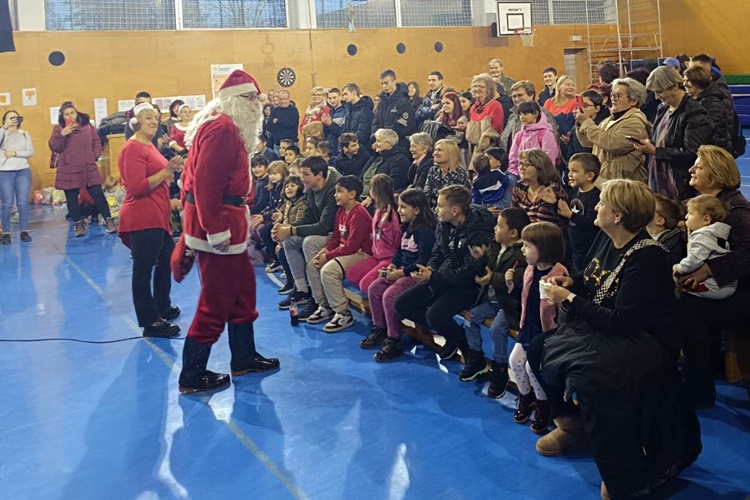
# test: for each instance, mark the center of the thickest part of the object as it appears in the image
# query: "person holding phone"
(15, 175)
(614, 140)
(77, 146)
(145, 223)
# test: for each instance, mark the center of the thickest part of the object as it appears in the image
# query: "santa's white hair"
(246, 114)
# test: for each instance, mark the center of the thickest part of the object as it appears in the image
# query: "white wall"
(31, 15)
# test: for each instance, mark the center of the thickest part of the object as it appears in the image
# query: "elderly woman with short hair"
(681, 127)
(611, 139)
(389, 159)
(145, 223)
(316, 109)
(715, 173)
(421, 150)
(617, 350)
(701, 87)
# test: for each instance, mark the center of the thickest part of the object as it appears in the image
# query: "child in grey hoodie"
(707, 239)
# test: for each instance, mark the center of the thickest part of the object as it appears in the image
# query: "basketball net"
(527, 36)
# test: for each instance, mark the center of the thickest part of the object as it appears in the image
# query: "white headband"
(140, 107)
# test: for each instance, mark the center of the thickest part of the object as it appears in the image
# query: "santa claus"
(216, 182)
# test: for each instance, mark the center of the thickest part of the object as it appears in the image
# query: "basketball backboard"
(513, 16)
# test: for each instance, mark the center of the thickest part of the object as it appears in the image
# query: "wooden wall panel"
(116, 65)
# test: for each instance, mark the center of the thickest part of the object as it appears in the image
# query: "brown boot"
(604, 492)
(569, 436)
(111, 225)
(80, 228)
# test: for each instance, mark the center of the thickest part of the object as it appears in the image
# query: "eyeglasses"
(617, 97)
(525, 165)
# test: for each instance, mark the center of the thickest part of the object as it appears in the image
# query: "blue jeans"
(15, 184)
(498, 330)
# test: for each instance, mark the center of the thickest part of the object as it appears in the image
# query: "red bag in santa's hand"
(182, 260)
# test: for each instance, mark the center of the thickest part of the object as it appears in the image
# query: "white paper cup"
(542, 290)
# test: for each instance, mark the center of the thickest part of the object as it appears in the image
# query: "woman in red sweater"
(144, 223)
(185, 114)
(483, 88)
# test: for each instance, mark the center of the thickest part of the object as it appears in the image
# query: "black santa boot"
(245, 359)
(194, 376)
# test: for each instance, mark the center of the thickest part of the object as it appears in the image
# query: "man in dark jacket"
(432, 101)
(308, 235)
(264, 150)
(333, 123)
(353, 157)
(358, 117)
(395, 110)
(446, 286)
(284, 120)
(550, 79)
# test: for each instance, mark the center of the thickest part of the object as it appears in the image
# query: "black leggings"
(151, 250)
(74, 210)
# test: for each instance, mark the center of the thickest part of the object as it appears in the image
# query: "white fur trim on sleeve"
(214, 239)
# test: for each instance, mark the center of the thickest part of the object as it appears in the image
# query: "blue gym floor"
(105, 421)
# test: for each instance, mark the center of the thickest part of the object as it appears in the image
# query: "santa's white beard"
(247, 117)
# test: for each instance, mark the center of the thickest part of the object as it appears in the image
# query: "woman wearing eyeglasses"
(316, 109)
(612, 140)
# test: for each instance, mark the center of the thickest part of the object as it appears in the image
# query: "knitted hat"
(140, 107)
(672, 63)
(238, 83)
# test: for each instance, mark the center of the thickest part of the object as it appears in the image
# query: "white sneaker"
(340, 321)
(321, 314)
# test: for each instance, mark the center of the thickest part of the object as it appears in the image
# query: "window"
(546, 12)
(367, 13)
(97, 15)
(234, 14)
(435, 13)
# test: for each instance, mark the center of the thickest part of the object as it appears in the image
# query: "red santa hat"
(238, 83)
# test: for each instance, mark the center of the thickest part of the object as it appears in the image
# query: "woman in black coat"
(388, 159)
(421, 150)
(681, 127)
(617, 350)
(699, 85)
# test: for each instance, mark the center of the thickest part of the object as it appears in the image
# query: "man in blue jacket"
(358, 118)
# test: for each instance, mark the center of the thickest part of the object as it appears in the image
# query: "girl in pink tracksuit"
(536, 133)
(386, 234)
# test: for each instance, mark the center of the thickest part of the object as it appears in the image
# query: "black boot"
(376, 338)
(245, 358)
(194, 376)
(475, 366)
(499, 379)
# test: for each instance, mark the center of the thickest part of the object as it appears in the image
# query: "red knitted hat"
(238, 83)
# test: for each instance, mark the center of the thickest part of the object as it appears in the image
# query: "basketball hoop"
(527, 36)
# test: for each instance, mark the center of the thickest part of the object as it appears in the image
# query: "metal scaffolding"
(637, 37)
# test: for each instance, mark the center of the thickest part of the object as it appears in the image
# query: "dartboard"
(286, 77)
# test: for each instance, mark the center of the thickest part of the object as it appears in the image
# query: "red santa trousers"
(227, 295)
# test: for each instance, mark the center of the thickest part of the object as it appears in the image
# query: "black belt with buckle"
(236, 201)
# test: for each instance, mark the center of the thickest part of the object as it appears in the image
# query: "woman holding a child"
(616, 350)
(702, 319)
(145, 223)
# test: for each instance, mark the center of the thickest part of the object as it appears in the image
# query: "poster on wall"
(53, 114)
(219, 73)
(100, 109)
(29, 97)
(125, 105)
(4, 98)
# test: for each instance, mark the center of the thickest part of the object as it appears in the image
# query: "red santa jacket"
(217, 167)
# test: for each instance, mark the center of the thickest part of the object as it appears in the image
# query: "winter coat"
(736, 264)
(513, 126)
(287, 120)
(294, 209)
(617, 154)
(425, 111)
(451, 261)
(392, 162)
(395, 112)
(705, 244)
(354, 165)
(333, 131)
(512, 258)
(417, 173)
(537, 135)
(275, 201)
(78, 153)
(358, 121)
(547, 311)
(721, 111)
(493, 188)
(674, 241)
(689, 128)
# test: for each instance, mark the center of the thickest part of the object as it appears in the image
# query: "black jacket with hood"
(359, 121)
(451, 261)
(721, 111)
(395, 112)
